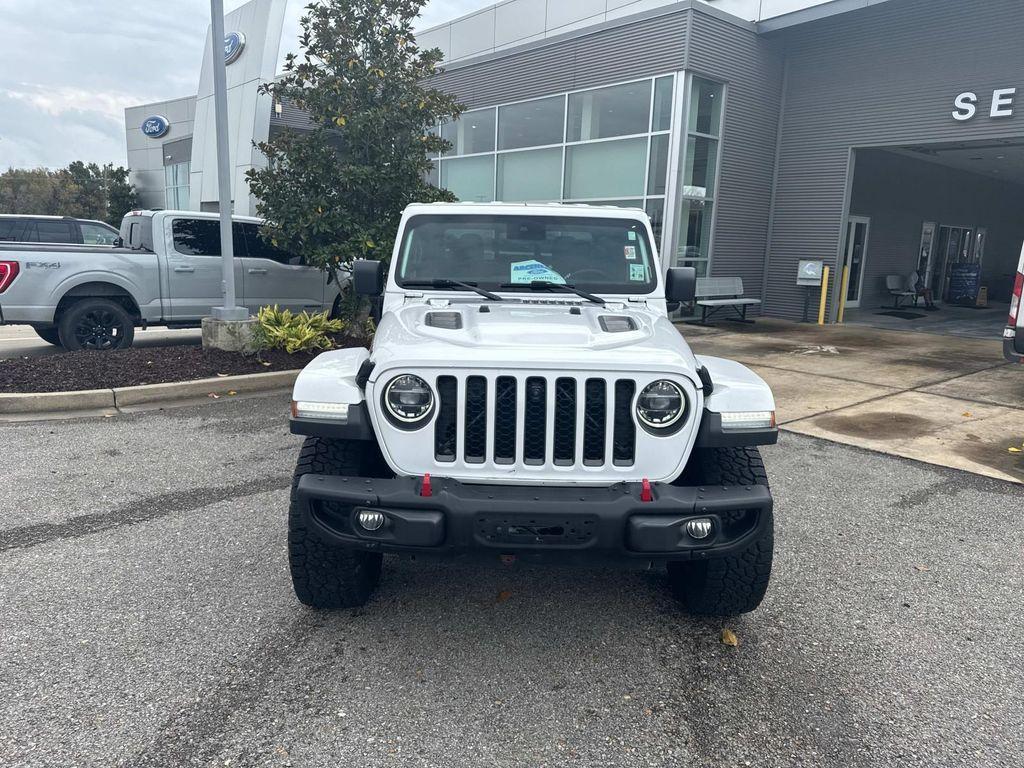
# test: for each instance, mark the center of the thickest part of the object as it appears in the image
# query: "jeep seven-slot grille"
(561, 431)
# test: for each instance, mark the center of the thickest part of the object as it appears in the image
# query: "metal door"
(855, 256)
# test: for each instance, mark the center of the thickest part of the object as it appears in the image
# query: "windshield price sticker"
(638, 273)
(525, 272)
(630, 252)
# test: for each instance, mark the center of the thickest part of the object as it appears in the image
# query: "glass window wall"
(605, 169)
(530, 176)
(176, 186)
(471, 134)
(622, 110)
(567, 148)
(698, 175)
(469, 178)
(536, 123)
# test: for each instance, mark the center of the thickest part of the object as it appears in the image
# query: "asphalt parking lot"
(147, 620)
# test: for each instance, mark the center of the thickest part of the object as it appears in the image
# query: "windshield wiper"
(445, 283)
(548, 285)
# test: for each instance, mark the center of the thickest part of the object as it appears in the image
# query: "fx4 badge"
(42, 265)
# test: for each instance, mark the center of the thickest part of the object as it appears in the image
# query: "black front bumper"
(536, 523)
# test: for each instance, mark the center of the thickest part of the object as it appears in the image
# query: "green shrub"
(303, 332)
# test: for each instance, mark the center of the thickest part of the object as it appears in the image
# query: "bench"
(715, 294)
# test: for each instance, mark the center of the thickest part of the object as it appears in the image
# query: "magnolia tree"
(336, 193)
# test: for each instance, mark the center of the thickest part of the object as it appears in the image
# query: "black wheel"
(726, 586)
(324, 574)
(50, 334)
(96, 324)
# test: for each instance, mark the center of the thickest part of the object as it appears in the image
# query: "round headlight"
(661, 404)
(408, 399)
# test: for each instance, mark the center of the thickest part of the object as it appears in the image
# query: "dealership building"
(884, 136)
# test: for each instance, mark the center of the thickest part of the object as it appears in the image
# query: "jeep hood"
(524, 334)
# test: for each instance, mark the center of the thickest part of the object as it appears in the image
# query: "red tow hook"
(645, 491)
(426, 490)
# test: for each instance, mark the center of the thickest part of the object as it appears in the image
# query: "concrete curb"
(149, 394)
(53, 402)
(45, 405)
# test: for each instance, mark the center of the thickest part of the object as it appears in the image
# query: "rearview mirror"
(368, 277)
(680, 286)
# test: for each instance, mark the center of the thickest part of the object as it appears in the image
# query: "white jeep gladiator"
(526, 398)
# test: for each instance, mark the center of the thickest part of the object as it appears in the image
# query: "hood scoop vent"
(617, 323)
(450, 321)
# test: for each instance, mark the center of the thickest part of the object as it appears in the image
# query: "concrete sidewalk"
(938, 399)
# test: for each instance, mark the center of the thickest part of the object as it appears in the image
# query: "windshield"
(602, 255)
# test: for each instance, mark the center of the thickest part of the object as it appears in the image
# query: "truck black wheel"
(325, 574)
(96, 324)
(726, 586)
(50, 334)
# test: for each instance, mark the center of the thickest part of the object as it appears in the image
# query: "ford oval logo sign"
(233, 45)
(156, 126)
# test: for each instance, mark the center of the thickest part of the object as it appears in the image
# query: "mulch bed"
(69, 371)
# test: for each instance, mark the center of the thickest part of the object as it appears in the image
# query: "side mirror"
(680, 286)
(368, 277)
(118, 243)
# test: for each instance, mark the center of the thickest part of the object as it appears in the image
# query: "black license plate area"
(527, 530)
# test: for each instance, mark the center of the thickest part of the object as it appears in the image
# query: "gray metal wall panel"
(884, 75)
(752, 68)
(648, 47)
(290, 117)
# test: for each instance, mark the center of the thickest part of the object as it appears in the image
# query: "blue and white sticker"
(630, 252)
(638, 273)
(525, 272)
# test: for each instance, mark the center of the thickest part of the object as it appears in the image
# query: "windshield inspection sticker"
(525, 272)
(637, 273)
(630, 252)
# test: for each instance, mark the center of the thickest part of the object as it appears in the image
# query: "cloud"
(69, 68)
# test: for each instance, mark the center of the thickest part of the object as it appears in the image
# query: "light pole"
(230, 310)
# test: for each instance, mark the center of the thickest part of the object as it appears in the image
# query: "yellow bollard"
(842, 293)
(824, 296)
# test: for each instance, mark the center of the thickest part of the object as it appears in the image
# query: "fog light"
(699, 528)
(370, 520)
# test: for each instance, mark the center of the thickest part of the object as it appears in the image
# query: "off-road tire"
(326, 575)
(726, 586)
(50, 334)
(115, 326)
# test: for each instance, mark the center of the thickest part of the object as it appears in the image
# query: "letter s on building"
(966, 106)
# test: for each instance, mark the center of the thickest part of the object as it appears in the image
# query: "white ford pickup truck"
(165, 271)
(526, 398)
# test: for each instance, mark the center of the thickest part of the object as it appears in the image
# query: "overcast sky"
(68, 68)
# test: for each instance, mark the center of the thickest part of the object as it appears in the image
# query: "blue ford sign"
(234, 42)
(156, 126)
